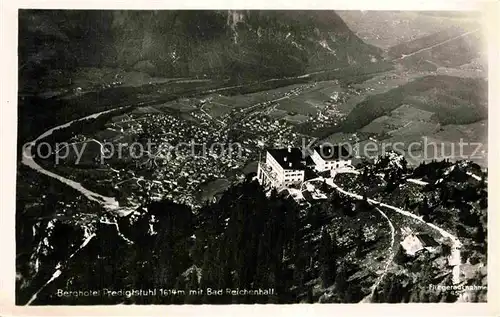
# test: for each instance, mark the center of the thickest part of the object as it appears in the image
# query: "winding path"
(403, 56)
(455, 257)
(391, 252)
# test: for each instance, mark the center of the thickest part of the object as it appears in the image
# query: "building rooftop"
(309, 161)
(289, 158)
(333, 152)
(427, 240)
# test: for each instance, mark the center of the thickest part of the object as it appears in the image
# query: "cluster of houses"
(178, 175)
(265, 125)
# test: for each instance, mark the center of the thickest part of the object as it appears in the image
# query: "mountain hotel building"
(282, 167)
(286, 167)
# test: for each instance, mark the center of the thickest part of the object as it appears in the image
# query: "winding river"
(109, 203)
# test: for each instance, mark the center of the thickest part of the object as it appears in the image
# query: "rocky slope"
(240, 45)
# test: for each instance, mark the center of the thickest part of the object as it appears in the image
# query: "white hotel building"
(286, 167)
(282, 167)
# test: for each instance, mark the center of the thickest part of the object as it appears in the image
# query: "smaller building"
(331, 157)
(282, 167)
(415, 243)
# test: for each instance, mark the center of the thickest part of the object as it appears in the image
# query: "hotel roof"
(289, 158)
(427, 240)
(333, 152)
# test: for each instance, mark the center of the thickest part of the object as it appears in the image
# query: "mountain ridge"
(241, 45)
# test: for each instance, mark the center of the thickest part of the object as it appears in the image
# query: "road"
(391, 254)
(403, 56)
(455, 257)
(400, 128)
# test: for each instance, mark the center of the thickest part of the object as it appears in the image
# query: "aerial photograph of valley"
(251, 157)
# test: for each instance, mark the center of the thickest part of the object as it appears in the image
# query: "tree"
(359, 240)
(392, 291)
(392, 180)
(400, 258)
(327, 259)
(366, 176)
(404, 164)
(424, 209)
(446, 248)
(341, 280)
(192, 284)
(353, 293)
(310, 298)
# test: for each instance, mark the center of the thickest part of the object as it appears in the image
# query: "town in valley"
(251, 153)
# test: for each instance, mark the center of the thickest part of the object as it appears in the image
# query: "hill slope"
(235, 44)
(453, 100)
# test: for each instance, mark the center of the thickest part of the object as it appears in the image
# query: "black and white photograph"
(187, 157)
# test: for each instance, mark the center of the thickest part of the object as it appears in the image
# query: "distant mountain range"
(240, 45)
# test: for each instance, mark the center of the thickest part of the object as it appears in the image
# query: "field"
(296, 119)
(475, 69)
(216, 109)
(403, 120)
(237, 101)
(181, 106)
(371, 26)
(422, 141)
(148, 109)
(379, 84)
(360, 93)
(454, 100)
(455, 46)
(322, 91)
(297, 107)
(277, 114)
